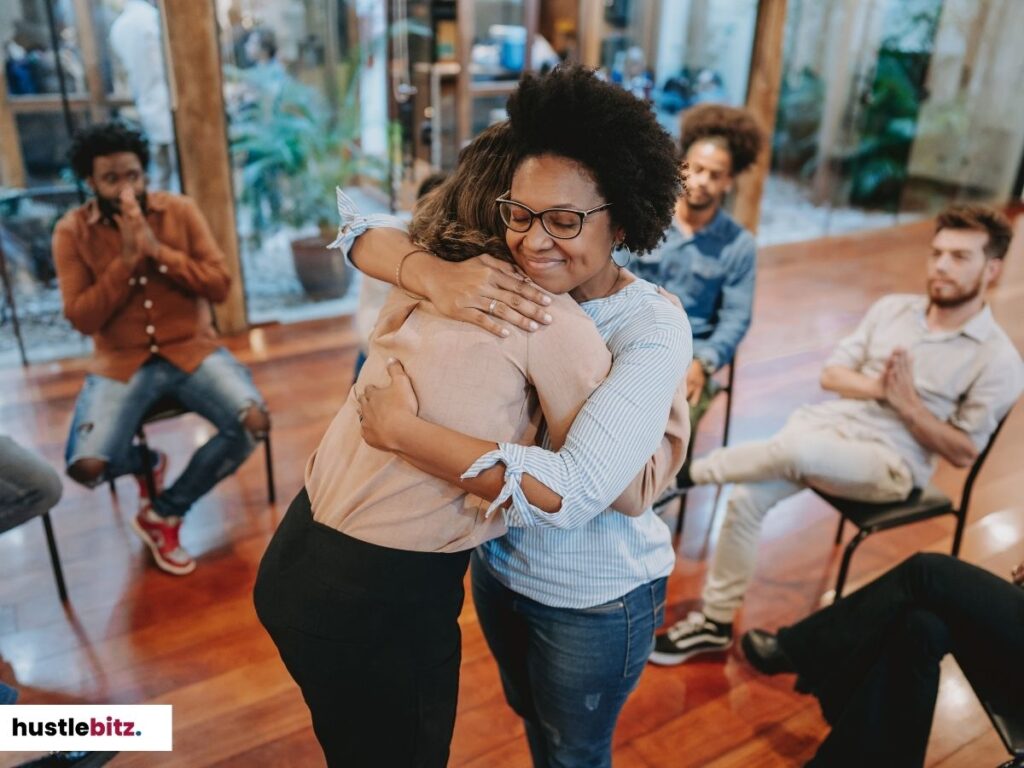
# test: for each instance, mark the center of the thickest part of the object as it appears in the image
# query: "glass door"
(305, 89)
(65, 67)
(890, 110)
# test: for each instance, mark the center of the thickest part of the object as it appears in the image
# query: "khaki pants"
(767, 472)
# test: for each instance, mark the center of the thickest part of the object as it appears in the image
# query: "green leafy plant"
(877, 166)
(798, 123)
(292, 149)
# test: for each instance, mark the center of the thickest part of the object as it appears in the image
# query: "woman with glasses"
(362, 584)
(570, 597)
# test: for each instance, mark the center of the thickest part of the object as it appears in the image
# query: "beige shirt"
(969, 377)
(468, 380)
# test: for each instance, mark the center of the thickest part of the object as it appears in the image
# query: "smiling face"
(958, 269)
(708, 174)
(575, 266)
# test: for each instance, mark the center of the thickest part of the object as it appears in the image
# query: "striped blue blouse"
(587, 554)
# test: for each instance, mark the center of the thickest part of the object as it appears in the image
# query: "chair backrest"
(965, 496)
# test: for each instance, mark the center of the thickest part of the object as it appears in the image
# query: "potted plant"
(292, 151)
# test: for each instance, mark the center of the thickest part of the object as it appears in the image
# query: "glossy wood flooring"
(134, 635)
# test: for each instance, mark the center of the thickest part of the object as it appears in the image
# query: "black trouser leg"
(888, 717)
(838, 649)
(370, 635)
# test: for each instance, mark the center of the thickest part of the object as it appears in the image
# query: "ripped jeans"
(567, 672)
(108, 413)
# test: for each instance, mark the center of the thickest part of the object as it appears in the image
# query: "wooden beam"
(589, 32)
(762, 100)
(194, 76)
(465, 20)
(88, 45)
(531, 20)
(12, 166)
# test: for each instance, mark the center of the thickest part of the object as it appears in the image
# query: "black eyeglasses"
(560, 223)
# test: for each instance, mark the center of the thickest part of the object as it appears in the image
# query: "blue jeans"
(567, 672)
(7, 694)
(108, 413)
(28, 485)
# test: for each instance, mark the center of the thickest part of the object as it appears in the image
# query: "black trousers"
(872, 659)
(370, 635)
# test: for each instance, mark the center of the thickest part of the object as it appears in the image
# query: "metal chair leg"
(681, 518)
(58, 572)
(845, 566)
(728, 416)
(269, 460)
(839, 531)
(958, 536)
(147, 463)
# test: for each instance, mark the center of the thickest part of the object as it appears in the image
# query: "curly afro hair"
(104, 139)
(612, 135)
(739, 131)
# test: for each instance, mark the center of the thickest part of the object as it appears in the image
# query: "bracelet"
(398, 274)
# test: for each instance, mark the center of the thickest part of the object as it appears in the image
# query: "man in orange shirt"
(138, 272)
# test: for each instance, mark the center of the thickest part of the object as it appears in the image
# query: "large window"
(67, 63)
(890, 110)
(305, 92)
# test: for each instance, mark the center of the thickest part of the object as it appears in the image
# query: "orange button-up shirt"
(161, 307)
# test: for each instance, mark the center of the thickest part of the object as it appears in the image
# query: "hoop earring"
(629, 256)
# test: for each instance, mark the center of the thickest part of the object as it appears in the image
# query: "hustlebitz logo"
(69, 726)
(54, 727)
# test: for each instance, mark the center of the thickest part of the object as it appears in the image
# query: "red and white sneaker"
(159, 473)
(160, 534)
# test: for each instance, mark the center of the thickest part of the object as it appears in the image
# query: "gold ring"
(490, 309)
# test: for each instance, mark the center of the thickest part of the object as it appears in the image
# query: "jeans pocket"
(612, 606)
(645, 612)
(659, 601)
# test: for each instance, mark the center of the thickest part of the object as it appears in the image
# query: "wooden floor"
(134, 635)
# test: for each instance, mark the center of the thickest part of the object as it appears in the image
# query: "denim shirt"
(712, 273)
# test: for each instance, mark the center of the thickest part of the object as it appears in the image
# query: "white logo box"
(86, 727)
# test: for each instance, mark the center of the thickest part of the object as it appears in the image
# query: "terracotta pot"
(322, 271)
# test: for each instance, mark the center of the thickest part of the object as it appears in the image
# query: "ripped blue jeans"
(108, 413)
(567, 672)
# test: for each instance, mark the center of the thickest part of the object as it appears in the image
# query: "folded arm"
(847, 382)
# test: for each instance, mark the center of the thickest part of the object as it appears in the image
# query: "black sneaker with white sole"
(690, 637)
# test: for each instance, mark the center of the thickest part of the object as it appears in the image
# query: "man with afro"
(707, 259)
(138, 270)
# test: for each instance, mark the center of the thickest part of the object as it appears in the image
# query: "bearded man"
(921, 376)
(137, 273)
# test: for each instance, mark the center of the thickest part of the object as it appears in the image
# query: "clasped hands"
(137, 239)
(897, 382)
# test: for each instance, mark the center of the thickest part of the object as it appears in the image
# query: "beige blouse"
(468, 380)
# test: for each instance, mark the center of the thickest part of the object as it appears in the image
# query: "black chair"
(169, 408)
(1005, 708)
(922, 504)
(51, 543)
(680, 493)
(1009, 724)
